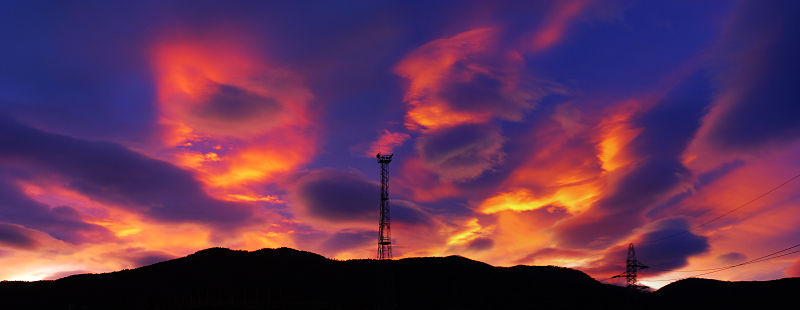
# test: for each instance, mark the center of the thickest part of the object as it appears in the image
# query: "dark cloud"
(667, 254)
(408, 213)
(340, 196)
(462, 152)
(263, 101)
(757, 105)
(233, 104)
(673, 122)
(616, 215)
(480, 244)
(731, 258)
(348, 239)
(657, 175)
(671, 253)
(647, 183)
(62, 222)
(478, 92)
(17, 237)
(114, 175)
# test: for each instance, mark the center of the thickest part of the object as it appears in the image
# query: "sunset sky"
(523, 132)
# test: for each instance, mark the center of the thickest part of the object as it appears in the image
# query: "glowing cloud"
(215, 89)
(459, 80)
(387, 142)
(555, 25)
(458, 87)
(231, 115)
(574, 199)
(530, 132)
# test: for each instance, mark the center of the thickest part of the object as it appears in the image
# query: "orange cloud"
(575, 198)
(427, 66)
(614, 133)
(229, 114)
(552, 32)
(458, 87)
(562, 171)
(456, 81)
(213, 89)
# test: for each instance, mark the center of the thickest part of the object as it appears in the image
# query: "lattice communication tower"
(385, 228)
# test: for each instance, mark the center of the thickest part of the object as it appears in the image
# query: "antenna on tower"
(385, 228)
(632, 265)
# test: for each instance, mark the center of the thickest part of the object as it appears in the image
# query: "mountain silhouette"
(284, 278)
(696, 293)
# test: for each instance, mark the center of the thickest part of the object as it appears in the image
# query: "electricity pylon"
(632, 265)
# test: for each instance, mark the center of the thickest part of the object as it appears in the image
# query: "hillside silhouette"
(696, 293)
(285, 278)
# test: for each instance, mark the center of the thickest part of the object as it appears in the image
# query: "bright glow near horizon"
(524, 133)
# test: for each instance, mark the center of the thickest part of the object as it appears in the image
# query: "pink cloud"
(388, 141)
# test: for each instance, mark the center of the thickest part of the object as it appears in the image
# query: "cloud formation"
(757, 63)
(346, 197)
(731, 258)
(17, 237)
(671, 253)
(462, 152)
(111, 174)
(338, 196)
(535, 132)
(348, 239)
(62, 222)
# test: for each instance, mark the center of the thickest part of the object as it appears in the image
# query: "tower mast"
(385, 229)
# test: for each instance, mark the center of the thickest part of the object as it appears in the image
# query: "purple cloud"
(17, 237)
(116, 176)
(480, 244)
(759, 69)
(348, 239)
(462, 152)
(483, 93)
(62, 222)
(673, 252)
(339, 196)
(731, 258)
(233, 104)
(616, 215)
(661, 256)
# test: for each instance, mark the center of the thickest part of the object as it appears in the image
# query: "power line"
(723, 215)
(752, 261)
(695, 227)
(675, 270)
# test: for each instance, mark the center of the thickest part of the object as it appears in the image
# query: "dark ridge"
(284, 278)
(715, 294)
